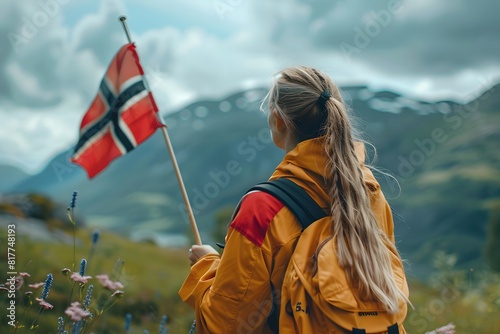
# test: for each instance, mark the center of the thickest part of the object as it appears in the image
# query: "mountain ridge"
(429, 147)
(10, 176)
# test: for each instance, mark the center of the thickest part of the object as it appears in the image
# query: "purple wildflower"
(95, 237)
(60, 325)
(73, 200)
(128, 321)
(46, 287)
(83, 266)
(88, 297)
(77, 327)
(163, 322)
(193, 327)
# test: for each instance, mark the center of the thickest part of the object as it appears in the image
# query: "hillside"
(447, 195)
(10, 176)
(444, 156)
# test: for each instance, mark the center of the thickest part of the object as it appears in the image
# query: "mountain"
(443, 158)
(10, 176)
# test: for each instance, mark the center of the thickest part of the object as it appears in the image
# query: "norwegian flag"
(122, 115)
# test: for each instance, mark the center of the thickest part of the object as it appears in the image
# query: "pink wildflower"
(66, 271)
(75, 312)
(448, 329)
(44, 304)
(79, 278)
(117, 294)
(109, 284)
(23, 274)
(19, 281)
(36, 285)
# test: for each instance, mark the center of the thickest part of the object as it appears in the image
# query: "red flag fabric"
(122, 115)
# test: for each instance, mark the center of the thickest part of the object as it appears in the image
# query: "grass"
(152, 276)
(469, 299)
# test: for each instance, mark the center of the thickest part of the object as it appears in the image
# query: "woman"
(240, 292)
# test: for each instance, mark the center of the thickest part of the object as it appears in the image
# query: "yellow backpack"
(316, 296)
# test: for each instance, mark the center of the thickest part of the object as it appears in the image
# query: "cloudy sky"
(54, 52)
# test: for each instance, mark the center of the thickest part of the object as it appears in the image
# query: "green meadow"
(153, 275)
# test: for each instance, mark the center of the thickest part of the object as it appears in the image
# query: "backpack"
(315, 291)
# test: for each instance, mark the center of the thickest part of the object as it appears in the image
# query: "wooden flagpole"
(194, 227)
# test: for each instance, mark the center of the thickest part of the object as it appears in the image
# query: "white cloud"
(29, 139)
(191, 49)
(25, 82)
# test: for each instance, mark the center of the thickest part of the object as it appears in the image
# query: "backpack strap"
(294, 198)
(393, 329)
(304, 208)
(358, 331)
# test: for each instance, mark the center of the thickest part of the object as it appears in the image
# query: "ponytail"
(362, 247)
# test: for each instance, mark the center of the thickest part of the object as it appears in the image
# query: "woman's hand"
(197, 251)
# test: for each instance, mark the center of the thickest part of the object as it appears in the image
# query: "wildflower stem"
(86, 328)
(26, 307)
(74, 246)
(72, 221)
(95, 239)
(105, 306)
(94, 319)
(91, 254)
(22, 317)
(70, 298)
(40, 310)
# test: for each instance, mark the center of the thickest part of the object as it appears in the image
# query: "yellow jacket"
(234, 293)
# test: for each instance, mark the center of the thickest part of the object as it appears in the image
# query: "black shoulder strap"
(295, 198)
(393, 329)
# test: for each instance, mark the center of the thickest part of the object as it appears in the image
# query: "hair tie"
(325, 95)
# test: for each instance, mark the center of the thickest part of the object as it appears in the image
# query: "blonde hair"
(363, 248)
